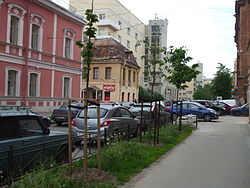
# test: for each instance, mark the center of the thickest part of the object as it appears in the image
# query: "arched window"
(69, 36)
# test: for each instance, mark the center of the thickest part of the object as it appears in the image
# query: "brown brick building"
(242, 39)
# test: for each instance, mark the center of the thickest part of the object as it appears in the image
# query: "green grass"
(123, 160)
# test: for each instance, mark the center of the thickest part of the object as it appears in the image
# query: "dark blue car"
(194, 108)
(242, 110)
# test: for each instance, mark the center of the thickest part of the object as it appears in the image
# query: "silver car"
(114, 120)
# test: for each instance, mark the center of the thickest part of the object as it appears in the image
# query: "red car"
(223, 105)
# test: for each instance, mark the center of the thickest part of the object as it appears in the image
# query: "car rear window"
(138, 108)
(92, 113)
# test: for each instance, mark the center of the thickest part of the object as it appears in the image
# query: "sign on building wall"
(109, 87)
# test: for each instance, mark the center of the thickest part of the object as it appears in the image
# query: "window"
(101, 32)
(67, 47)
(108, 73)
(119, 38)
(128, 97)
(12, 80)
(96, 73)
(128, 44)
(123, 96)
(134, 76)
(120, 24)
(101, 16)
(133, 96)
(33, 85)
(155, 28)
(66, 87)
(107, 96)
(136, 36)
(128, 31)
(124, 76)
(35, 37)
(125, 113)
(14, 30)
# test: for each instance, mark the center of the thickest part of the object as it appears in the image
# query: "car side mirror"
(46, 131)
(133, 116)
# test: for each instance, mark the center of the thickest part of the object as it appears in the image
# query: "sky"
(205, 28)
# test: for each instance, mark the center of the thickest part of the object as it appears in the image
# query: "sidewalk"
(217, 155)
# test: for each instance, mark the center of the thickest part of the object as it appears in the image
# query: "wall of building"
(48, 62)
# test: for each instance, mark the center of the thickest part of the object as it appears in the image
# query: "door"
(195, 109)
(128, 122)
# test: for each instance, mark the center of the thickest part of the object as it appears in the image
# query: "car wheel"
(207, 117)
(220, 112)
(59, 123)
(237, 113)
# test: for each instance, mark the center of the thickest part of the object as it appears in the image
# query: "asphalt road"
(217, 155)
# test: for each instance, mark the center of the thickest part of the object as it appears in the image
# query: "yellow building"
(117, 22)
(114, 72)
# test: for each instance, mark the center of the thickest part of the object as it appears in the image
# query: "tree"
(223, 82)
(155, 66)
(180, 72)
(204, 93)
(88, 53)
(145, 95)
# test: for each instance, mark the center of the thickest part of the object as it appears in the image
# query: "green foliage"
(223, 82)
(146, 96)
(122, 160)
(204, 93)
(88, 47)
(154, 67)
(180, 72)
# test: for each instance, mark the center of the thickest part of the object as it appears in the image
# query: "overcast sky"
(205, 27)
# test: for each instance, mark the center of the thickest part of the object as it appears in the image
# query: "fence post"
(10, 165)
(128, 131)
(141, 120)
(196, 122)
(69, 139)
(105, 136)
(155, 124)
(180, 120)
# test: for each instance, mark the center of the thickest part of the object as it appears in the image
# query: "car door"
(11, 144)
(128, 121)
(195, 110)
(245, 110)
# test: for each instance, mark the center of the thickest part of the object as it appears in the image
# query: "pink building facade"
(40, 65)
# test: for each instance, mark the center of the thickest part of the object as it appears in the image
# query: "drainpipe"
(26, 56)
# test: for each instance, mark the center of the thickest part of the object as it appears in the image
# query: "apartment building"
(156, 35)
(242, 40)
(114, 74)
(117, 22)
(40, 65)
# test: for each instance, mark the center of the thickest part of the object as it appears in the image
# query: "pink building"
(40, 65)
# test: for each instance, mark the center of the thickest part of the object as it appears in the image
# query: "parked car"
(194, 108)
(127, 105)
(115, 119)
(223, 105)
(242, 110)
(149, 112)
(60, 115)
(24, 110)
(24, 140)
(209, 104)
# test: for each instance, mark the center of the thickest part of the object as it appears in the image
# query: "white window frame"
(18, 78)
(101, 32)
(18, 12)
(38, 83)
(69, 33)
(70, 85)
(102, 16)
(38, 20)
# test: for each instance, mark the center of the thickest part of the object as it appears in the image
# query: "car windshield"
(65, 105)
(138, 108)
(92, 113)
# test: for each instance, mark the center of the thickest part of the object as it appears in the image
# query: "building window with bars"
(124, 77)
(134, 76)
(108, 73)
(14, 30)
(96, 73)
(129, 78)
(33, 84)
(35, 37)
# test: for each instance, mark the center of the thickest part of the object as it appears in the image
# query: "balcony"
(109, 23)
